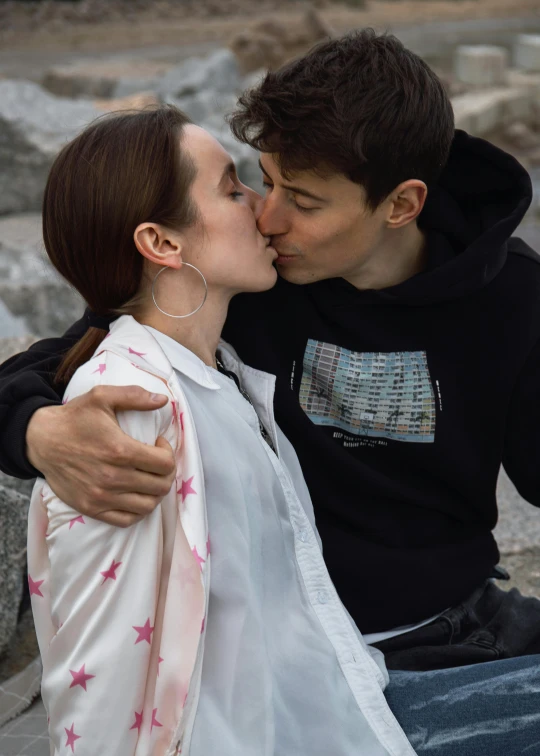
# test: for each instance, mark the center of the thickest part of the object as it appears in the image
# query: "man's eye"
(236, 194)
(303, 209)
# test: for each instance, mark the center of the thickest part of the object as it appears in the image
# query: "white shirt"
(121, 614)
(262, 631)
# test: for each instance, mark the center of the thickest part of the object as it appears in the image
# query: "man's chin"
(294, 275)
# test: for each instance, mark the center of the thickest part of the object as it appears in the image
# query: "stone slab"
(481, 65)
(527, 52)
(487, 110)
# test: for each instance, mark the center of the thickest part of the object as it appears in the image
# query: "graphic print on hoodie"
(373, 394)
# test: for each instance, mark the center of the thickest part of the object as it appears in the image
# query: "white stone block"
(481, 65)
(527, 52)
(479, 113)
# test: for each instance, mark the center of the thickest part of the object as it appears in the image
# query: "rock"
(521, 136)
(9, 347)
(205, 105)
(219, 72)
(527, 52)
(256, 50)
(110, 77)
(30, 288)
(481, 65)
(314, 28)
(34, 125)
(13, 514)
(534, 158)
(518, 528)
(253, 79)
(22, 487)
(11, 326)
(245, 158)
(480, 113)
(271, 43)
(139, 101)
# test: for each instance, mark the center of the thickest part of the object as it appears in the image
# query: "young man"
(405, 336)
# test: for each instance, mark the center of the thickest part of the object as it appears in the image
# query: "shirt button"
(323, 597)
(302, 535)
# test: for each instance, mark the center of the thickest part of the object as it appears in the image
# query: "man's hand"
(92, 465)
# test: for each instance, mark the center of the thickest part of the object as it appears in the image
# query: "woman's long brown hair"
(122, 170)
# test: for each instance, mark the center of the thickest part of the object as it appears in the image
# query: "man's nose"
(269, 221)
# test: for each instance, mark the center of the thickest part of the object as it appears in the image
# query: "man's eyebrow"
(296, 189)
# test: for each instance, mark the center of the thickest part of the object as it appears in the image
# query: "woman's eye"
(266, 185)
(234, 195)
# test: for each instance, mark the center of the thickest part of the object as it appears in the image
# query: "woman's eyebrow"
(229, 169)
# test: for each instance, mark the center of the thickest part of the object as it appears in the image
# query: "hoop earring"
(189, 313)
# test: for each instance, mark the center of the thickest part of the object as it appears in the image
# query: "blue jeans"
(490, 709)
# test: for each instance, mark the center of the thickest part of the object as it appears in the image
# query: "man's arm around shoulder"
(27, 385)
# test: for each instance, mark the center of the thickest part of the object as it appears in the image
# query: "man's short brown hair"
(361, 105)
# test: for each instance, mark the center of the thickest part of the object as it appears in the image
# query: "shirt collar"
(184, 360)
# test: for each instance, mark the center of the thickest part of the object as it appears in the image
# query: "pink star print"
(200, 560)
(111, 572)
(138, 721)
(158, 663)
(34, 586)
(71, 737)
(208, 545)
(139, 354)
(155, 723)
(102, 367)
(72, 522)
(80, 677)
(186, 488)
(145, 632)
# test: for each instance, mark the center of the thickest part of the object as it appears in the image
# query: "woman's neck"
(200, 333)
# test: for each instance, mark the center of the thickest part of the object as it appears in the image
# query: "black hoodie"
(401, 403)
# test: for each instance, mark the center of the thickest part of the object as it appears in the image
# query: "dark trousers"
(491, 624)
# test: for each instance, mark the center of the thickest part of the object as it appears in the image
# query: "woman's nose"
(255, 200)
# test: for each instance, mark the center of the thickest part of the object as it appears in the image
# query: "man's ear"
(407, 202)
(158, 244)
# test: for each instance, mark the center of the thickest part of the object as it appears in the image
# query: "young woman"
(211, 626)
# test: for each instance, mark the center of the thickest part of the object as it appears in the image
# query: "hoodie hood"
(470, 214)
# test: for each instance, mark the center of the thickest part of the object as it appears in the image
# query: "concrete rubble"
(481, 65)
(527, 52)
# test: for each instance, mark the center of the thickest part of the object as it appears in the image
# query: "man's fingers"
(130, 504)
(117, 480)
(118, 519)
(158, 459)
(118, 398)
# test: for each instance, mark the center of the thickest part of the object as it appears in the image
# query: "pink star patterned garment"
(119, 632)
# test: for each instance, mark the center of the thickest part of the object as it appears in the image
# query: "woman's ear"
(158, 244)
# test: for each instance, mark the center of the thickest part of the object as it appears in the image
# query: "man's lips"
(281, 258)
